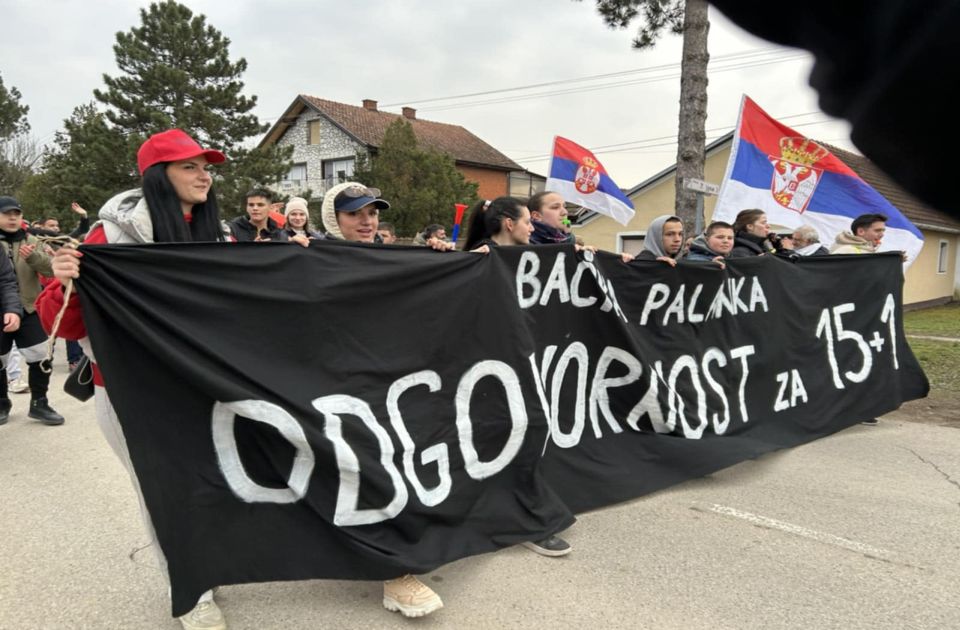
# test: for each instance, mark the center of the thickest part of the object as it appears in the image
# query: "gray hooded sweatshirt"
(653, 242)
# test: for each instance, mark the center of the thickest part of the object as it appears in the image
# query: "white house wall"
(334, 144)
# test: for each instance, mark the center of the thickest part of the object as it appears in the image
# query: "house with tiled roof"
(933, 277)
(327, 136)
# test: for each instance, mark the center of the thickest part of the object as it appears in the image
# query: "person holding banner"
(752, 236)
(664, 240)
(864, 237)
(806, 241)
(176, 203)
(351, 212)
(714, 245)
(259, 224)
(297, 224)
(548, 211)
(505, 221)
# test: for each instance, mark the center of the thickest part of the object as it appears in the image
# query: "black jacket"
(745, 245)
(244, 231)
(820, 251)
(9, 288)
(82, 227)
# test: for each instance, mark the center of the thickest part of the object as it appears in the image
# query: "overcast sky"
(405, 51)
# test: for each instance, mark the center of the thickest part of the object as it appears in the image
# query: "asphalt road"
(859, 530)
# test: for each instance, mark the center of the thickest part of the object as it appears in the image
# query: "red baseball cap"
(173, 145)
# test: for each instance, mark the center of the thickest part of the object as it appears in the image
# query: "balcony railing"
(317, 188)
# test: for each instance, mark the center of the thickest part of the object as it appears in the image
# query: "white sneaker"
(18, 386)
(205, 615)
(410, 597)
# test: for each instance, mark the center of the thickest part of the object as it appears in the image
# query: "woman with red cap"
(176, 203)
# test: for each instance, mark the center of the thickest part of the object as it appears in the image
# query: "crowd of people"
(26, 268)
(751, 235)
(177, 203)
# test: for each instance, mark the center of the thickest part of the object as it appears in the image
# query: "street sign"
(699, 185)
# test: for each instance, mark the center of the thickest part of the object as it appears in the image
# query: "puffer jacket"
(125, 219)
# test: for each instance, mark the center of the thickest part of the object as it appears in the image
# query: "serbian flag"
(797, 181)
(579, 177)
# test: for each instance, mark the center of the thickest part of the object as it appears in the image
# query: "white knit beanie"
(296, 203)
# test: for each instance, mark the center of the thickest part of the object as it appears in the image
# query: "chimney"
(409, 112)
(370, 104)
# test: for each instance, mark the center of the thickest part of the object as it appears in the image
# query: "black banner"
(362, 412)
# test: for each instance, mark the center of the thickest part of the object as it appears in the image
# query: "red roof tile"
(370, 126)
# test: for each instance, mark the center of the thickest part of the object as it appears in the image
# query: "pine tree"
(421, 185)
(176, 72)
(84, 165)
(689, 18)
(13, 114)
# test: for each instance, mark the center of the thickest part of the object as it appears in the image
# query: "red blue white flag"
(797, 181)
(578, 176)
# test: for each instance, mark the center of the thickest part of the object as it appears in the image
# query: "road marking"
(799, 530)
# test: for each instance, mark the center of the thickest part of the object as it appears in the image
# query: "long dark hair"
(487, 220)
(166, 214)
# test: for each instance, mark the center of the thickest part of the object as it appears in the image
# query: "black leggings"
(32, 343)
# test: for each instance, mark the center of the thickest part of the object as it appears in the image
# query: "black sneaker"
(552, 546)
(42, 411)
(5, 407)
(872, 422)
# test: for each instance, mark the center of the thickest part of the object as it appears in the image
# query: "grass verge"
(941, 363)
(939, 321)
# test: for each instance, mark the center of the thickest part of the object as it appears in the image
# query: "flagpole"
(733, 148)
(553, 153)
(458, 217)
